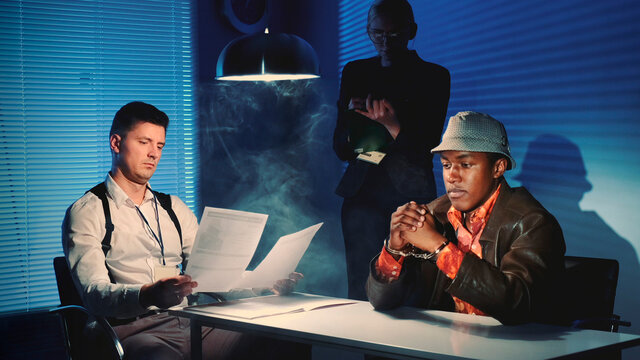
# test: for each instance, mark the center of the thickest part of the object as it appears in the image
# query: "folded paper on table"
(225, 243)
(256, 307)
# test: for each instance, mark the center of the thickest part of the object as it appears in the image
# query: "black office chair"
(590, 291)
(74, 319)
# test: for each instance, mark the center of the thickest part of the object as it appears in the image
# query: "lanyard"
(159, 236)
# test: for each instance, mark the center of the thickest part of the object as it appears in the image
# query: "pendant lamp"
(267, 57)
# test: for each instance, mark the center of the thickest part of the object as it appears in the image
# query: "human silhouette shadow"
(553, 171)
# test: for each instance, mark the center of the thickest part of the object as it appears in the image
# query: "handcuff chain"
(425, 256)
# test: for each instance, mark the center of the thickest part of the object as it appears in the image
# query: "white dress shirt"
(134, 253)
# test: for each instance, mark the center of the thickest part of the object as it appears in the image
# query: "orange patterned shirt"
(450, 258)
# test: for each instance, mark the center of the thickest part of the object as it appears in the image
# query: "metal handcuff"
(415, 252)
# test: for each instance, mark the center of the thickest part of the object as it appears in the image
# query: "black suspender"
(165, 202)
(100, 191)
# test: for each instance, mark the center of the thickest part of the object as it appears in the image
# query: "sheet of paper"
(256, 307)
(280, 261)
(223, 248)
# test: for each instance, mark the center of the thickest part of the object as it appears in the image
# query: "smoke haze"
(266, 148)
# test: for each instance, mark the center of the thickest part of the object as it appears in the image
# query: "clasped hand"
(380, 111)
(412, 224)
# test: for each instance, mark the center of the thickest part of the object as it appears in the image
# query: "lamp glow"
(267, 77)
(267, 57)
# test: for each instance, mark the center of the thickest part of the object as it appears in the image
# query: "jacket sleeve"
(341, 144)
(414, 286)
(516, 290)
(385, 295)
(422, 118)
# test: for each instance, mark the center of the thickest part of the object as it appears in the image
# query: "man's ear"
(114, 142)
(413, 30)
(499, 168)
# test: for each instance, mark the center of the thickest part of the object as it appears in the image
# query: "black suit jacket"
(419, 93)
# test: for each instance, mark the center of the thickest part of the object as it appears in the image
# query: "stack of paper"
(252, 308)
(225, 244)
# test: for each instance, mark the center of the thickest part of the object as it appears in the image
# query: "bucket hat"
(477, 132)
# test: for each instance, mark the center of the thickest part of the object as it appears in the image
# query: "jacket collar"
(440, 206)
(410, 57)
(490, 232)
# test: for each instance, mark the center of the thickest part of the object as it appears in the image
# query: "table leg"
(196, 340)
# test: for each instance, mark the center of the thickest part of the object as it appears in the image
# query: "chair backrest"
(589, 289)
(66, 289)
(81, 344)
(72, 322)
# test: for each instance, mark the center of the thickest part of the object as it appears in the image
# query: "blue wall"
(564, 77)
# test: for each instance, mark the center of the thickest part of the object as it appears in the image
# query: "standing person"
(484, 248)
(394, 103)
(124, 244)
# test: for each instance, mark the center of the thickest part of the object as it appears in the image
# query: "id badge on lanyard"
(165, 271)
(373, 157)
(158, 237)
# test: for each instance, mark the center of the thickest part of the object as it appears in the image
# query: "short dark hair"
(399, 11)
(135, 112)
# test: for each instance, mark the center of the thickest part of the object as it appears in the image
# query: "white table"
(410, 333)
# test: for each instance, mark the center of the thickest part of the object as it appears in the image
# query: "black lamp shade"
(267, 57)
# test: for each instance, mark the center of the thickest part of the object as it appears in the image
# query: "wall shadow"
(553, 171)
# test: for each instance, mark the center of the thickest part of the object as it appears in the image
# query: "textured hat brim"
(476, 145)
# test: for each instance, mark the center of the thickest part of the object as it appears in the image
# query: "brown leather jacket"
(522, 258)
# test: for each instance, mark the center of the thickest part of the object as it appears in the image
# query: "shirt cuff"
(131, 296)
(449, 260)
(387, 267)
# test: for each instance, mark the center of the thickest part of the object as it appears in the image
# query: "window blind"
(66, 67)
(353, 41)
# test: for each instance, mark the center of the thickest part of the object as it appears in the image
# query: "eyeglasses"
(378, 36)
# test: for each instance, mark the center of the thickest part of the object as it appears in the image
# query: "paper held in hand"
(225, 244)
